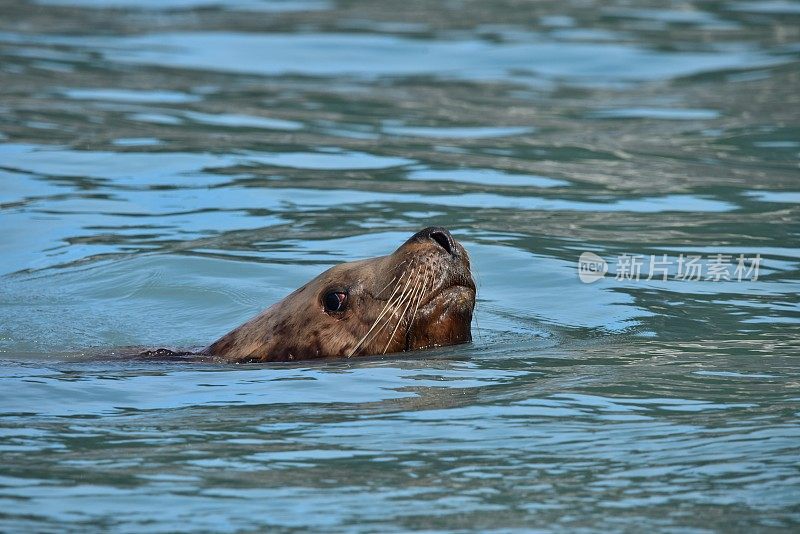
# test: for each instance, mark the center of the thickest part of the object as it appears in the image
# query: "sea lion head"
(421, 295)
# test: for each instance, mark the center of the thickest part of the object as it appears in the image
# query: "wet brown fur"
(422, 295)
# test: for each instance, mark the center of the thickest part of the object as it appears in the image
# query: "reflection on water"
(171, 168)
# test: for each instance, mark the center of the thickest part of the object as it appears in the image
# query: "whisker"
(404, 296)
(419, 301)
(384, 287)
(393, 279)
(416, 305)
(386, 307)
(411, 299)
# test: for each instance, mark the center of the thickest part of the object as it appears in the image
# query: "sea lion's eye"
(335, 301)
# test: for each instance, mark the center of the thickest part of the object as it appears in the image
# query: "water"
(170, 168)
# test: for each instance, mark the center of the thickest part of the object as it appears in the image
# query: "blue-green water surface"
(170, 168)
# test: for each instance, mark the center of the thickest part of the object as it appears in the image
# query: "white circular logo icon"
(591, 267)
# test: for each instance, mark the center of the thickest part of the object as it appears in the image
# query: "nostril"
(443, 239)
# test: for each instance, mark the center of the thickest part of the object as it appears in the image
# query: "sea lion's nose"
(441, 236)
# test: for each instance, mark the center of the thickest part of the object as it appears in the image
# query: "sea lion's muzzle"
(444, 259)
(444, 314)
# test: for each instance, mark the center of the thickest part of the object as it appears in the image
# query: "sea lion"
(421, 295)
